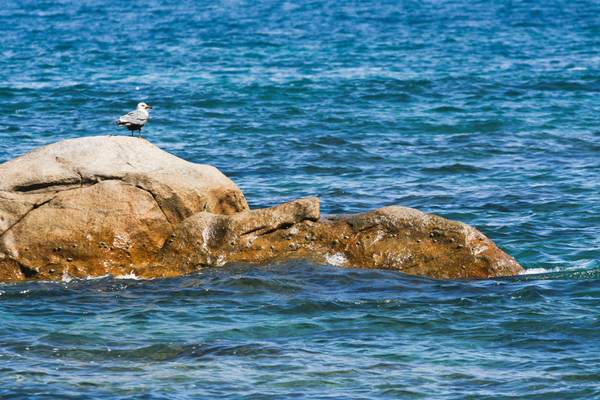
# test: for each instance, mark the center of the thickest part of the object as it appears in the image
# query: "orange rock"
(119, 205)
(397, 238)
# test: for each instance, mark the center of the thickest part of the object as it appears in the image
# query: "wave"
(539, 270)
(575, 273)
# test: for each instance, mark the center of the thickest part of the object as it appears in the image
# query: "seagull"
(135, 119)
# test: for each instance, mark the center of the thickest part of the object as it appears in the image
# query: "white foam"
(536, 271)
(130, 275)
(337, 260)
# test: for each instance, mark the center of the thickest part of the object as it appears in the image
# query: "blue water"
(487, 112)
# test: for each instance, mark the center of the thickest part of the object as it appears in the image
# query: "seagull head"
(143, 106)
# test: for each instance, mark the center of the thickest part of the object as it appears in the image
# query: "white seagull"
(135, 119)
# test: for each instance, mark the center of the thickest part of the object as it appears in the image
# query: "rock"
(97, 205)
(92, 206)
(180, 188)
(395, 238)
(213, 240)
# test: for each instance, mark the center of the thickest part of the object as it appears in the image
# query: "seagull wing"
(137, 117)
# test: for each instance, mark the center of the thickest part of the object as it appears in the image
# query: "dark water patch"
(447, 109)
(453, 169)
(568, 86)
(161, 352)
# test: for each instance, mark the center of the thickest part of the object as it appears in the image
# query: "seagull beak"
(147, 106)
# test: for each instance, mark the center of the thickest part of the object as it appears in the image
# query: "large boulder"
(119, 205)
(396, 238)
(98, 205)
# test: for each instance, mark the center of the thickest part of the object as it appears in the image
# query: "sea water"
(486, 112)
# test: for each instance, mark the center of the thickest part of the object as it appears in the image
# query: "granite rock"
(118, 205)
(97, 205)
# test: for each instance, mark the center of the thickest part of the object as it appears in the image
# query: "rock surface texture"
(98, 205)
(397, 238)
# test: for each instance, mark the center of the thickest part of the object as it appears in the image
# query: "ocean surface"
(486, 112)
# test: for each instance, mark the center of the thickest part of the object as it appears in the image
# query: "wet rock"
(395, 238)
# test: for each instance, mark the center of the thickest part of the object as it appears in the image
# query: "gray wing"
(136, 117)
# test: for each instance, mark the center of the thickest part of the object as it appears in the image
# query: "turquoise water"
(483, 112)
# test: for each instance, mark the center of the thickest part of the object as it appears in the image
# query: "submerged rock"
(98, 205)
